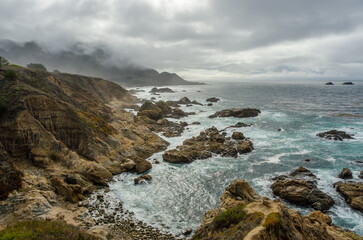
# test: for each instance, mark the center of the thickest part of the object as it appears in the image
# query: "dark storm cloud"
(233, 37)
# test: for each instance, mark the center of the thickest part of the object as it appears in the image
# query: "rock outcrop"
(299, 188)
(335, 135)
(182, 101)
(243, 214)
(345, 173)
(237, 112)
(161, 90)
(329, 83)
(352, 193)
(143, 179)
(208, 142)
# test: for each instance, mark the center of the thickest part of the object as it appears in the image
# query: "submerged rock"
(243, 214)
(345, 173)
(143, 179)
(208, 142)
(352, 193)
(237, 112)
(299, 188)
(334, 135)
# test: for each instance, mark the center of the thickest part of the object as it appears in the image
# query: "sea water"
(180, 194)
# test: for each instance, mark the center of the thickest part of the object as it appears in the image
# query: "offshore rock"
(352, 193)
(208, 142)
(237, 112)
(212, 99)
(243, 214)
(299, 188)
(334, 135)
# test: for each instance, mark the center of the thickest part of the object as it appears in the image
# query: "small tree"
(10, 74)
(36, 66)
(3, 61)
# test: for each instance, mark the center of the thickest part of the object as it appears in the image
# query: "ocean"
(180, 194)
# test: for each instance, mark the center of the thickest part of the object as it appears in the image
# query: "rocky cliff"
(62, 135)
(243, 214)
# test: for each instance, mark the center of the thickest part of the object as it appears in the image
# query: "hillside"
(96, 63)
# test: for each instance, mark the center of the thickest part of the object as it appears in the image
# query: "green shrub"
(45, 230)
(11, 75)
(36, 66)
(230, 216)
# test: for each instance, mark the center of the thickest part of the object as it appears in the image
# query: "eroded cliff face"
(61, 135)
(243, 214)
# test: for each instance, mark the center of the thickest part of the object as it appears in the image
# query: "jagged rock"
(361, 174)
(237, 136)
(352, 193)
(212, 99)
(329, 83)
(237, 112)
(210, 104)
(299, 188)
(243, 214)
(335, 135)
(208, 142)
(143, 179)
(345, 173)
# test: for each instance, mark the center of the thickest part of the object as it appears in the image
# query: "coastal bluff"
(62, 136)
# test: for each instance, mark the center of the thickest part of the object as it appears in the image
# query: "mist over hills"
(96, 61)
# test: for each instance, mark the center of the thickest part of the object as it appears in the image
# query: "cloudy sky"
(203, 39)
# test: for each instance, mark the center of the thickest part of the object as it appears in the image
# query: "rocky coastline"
(64, 137)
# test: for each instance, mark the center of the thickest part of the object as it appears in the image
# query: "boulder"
(143, 179)
(345, 173)
(361, 174)
(142, 165)
(302, 192)
(237, 112)
(329, 83)
(299, 187)
(237, 136)
(334, 135)
(352, 193)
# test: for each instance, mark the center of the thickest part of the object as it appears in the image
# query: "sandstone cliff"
(60, 136)
(243, 214)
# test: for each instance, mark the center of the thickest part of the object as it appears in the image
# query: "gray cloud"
(230, 39)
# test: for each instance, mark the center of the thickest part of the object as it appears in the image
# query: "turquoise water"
(179, 195)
